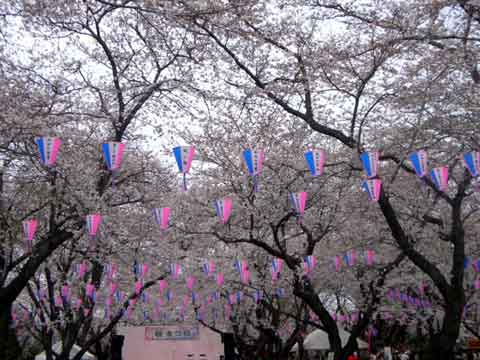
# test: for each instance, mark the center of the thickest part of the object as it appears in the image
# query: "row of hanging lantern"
(209, 269)
(113, 154)
(93, 222)
(419, 160)
(223, 208)
(198, 301)
(209, 297)
(48, 147)
(395, 295)
(113, 294)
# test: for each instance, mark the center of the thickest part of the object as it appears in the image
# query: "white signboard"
(171, 332)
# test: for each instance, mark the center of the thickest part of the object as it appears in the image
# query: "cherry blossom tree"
(369, 77)
(86, 85)
(282, 76)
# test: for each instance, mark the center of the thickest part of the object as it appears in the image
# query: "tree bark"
(9, 347)
(307, 294)
(442, 344)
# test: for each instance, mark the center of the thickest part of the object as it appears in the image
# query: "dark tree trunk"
(9, 347)
(308, 294)
(442, 344)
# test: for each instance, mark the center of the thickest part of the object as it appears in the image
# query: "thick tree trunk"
(9, 347)
(442, 344)
(305, 292)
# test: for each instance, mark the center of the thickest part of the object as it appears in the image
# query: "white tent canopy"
(318, 340)
(58, 348)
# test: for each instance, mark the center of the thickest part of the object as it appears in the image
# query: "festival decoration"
(190, 282)
(315, 161)
(298, 201)
(162, 217)
(80, 270)
(370, 163)
(309, 264)
(119, 296)
(240, 266)
(239, 296)
(227, 311)
(169, 296)
(475, 264)
(48, 148)
(254, 161)
(113, 155)
(350, 258)
(369, 257)
(419, 161)
(208, 268)
(162, 284)
(245, 276)
(277, 265)
(258, 296)
(280, 293)
(41, 294)
(143, 270)
(113, 288)
(214, 314)
(373, 188)
(110, 270)
(223, 207)
(65, 292)
(220, 279)
(175, 270)
(90, 291)
(93, 223)
(140, 270)
(184, 157)
(29, 230)
(397, 296)
(471, 160)
(338, 263)
(439, 177)
(242, 269)
(138, 286)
